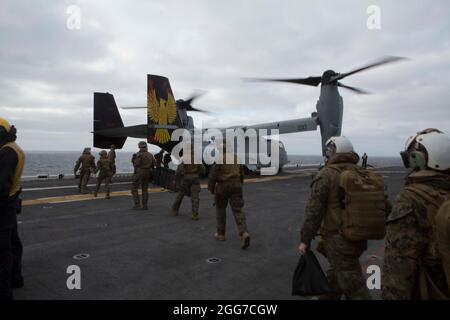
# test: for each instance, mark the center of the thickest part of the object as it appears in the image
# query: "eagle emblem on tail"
(162, 112)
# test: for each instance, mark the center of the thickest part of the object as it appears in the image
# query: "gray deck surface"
(151, 255)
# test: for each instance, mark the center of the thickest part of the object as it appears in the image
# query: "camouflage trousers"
(106, 178)
(344, 274)
(84, 179)
(230, 191)
(113, 172)
(141, 179)
(189, 187)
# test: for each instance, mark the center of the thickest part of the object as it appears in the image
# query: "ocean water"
(62, 162)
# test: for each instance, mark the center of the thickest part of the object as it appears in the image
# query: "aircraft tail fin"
(162, 110)
(106, 116)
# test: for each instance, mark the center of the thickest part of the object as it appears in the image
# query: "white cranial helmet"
(341, 144)
(437, 146)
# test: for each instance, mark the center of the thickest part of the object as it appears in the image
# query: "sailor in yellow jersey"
(12, 161)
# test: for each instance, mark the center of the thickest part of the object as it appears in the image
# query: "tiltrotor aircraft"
(165, 114)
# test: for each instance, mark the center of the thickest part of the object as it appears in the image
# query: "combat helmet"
(142, 145)
(102, 153)
(429, 148)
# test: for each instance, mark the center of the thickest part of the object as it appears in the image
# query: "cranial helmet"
(4, 124)
(142, 145)
(429, 148)
(338, 145)
(87, 150)
(6, 128)
(102, 153)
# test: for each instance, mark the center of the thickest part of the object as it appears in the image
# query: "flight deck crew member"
(112, 159)
(143, 162)
(104, 167)
(167, 159)
(344, 275)
(12, 160)
(417, 253)
(190, 185)
(364, 160)
(225, 182)
(87, 163)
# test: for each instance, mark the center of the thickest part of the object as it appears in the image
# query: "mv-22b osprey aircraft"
(166, 114)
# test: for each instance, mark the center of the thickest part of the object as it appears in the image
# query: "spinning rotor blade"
(133, 108)
(187, 104)
(310, 81)
(190, 108)
(192, 98)
(384, 60)
(360, 91)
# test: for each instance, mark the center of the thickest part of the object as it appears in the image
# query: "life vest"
(15, 187)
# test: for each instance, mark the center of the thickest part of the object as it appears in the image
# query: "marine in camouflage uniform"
(344, 274)
(112, 159)
(104, 167)
(413, 265)
(87, 163)
(409, 240)
(190, 186)
(143, 162)
(225, 182)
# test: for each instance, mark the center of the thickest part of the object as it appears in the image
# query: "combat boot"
(173, 212)
(245, 240)
(108, 196)
(195, 216)
(219, 237)
(95, 194)
(137, 203)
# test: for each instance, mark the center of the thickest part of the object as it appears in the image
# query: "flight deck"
(137, 254)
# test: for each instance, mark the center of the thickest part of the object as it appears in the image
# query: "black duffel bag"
(309, 279)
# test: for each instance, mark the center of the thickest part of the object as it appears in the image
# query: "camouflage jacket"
(224, 172)
(86, 161)
(104, 165)
(112, 156)
(408, 239)
(143, 160)
(189, 171)
(321, 187)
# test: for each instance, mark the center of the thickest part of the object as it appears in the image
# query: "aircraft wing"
(288, 126)
(139, 131)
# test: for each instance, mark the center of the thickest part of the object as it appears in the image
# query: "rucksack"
(363, 204)
(438, 214)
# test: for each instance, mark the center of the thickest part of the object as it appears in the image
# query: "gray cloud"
(48, 72)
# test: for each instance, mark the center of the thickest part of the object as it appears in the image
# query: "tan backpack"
(442, 221)
(363, 204)
(438, 213)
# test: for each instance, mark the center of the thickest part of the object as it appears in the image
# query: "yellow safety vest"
(15, 187)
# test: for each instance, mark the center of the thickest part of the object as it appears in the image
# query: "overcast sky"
(48, 72)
